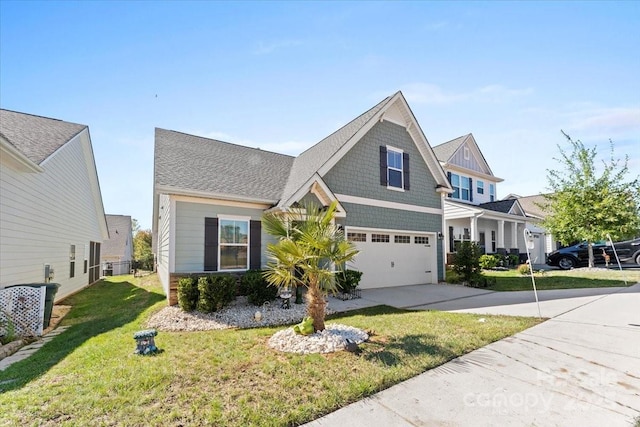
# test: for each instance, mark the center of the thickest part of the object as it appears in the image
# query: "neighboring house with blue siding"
(52, 221)
(472, 211)
(209, 197)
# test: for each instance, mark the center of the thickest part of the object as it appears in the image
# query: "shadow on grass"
(396, 350)
(376, 310)
(102, 307)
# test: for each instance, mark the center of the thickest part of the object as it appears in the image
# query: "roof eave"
(18, 157)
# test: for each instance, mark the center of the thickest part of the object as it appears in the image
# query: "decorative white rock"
(333, 338)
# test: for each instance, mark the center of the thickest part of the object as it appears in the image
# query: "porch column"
(500, 242)
(474, 228)
(514, 235)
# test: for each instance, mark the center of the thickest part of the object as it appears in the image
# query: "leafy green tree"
(309, 245)
(142, 249)
(585, 204)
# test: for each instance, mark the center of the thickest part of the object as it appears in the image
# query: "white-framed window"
(233, 244)
(480, 187)
(402, 239)
(380, 238)
(461, 187)
(72, 261)
(394, 168)
(357, 237)
(492, 192)
(465, 152)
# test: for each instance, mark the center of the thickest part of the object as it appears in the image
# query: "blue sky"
(283, 75)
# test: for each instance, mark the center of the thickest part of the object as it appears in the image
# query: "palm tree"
(310, 247)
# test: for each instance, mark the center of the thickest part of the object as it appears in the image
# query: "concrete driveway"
(581, 367)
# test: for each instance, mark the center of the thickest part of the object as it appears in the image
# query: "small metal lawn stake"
(616, 254)
(528, 239)
(145, 343)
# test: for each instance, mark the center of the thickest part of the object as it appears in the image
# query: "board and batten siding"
(189, 232)
(44, 213)
(162, 251)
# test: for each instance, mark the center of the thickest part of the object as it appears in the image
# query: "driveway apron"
(581, 367)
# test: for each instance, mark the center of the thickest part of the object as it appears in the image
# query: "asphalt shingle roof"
(503, 206)
(119, 230)
(195, 163)
(447, 149)
(308, 162)
(530, 207)
(34, 136)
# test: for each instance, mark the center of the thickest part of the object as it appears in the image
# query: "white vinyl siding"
(162, 253)
(43, 213)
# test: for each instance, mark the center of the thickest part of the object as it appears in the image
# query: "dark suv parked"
(578, 255)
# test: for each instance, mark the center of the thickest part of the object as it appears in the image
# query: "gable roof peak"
(36, 137)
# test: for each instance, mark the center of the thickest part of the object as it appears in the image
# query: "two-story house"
(209, 197)
(473, 211)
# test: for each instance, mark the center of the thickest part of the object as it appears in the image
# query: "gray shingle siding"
(358, 172)
(396, 219)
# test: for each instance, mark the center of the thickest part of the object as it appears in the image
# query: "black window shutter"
(449, 178)
(383, 165)
(210, 244)
(405, 169)
(255, 249)
(471, 189)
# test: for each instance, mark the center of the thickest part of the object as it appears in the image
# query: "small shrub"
(451, 276)
(467, 262)
(215, 292)
(348, 280)
(487, 262)
(9, 333)
(524, 269)
(188, 293)
(513, 259)
(256, 288)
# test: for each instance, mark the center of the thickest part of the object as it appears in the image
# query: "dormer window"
(394, 168)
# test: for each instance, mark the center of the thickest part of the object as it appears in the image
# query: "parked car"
(578, 255)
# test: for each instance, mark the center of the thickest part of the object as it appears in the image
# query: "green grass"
(88, 375)
(511, 280)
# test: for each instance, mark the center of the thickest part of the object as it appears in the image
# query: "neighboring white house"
(209, 197)
(117, 251)
(473, 212)
(545, 242)
(52, 221)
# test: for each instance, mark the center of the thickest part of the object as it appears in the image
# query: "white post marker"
(528, 238)
(610, 243)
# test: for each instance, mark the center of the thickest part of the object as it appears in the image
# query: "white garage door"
(389, 258)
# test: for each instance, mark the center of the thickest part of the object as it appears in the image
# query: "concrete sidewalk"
(582, 367)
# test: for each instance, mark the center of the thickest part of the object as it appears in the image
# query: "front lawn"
(88, 375)
(511, 280)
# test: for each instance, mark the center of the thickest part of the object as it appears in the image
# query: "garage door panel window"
(402, 239)
(421, 240)
(380, 238)
(357, 237)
